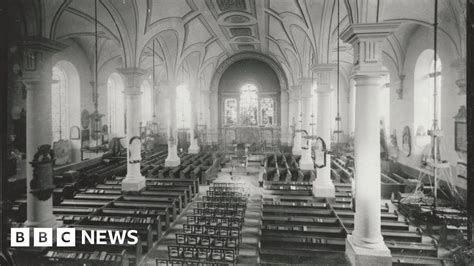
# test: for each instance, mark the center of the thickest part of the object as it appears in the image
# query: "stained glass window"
(249, 105)
(230, 111)
(59, 104)
(267, 111)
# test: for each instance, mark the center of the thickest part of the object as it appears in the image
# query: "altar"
(259, 139)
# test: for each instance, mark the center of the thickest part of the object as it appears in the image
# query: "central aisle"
(248, 251)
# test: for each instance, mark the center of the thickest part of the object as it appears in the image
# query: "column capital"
(165, 85)
(295, 87)
(294, 93)
(317, 68)
(324, 74)
(37, 55)
(305, 81)
(367, 40)
(133, 78)
(306, 86)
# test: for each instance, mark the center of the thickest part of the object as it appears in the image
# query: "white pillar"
(206, 116)
(194, 147)
(297, 115)
(306, 162)
(366, 246)
(172, 160)
(284, 118)
(133, 181)
(37, 76)
(352, 106)
(214, 114)
(323, 186)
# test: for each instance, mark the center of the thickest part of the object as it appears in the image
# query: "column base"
(48, 223)
(194, 149)
(306, 162)
(323, 190)
(172, 162)
(367, 256)
(296, 151)
(135, 183)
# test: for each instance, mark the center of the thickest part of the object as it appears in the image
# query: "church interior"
(239, 132)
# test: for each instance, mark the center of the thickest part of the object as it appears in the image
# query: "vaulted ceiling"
(192, 37)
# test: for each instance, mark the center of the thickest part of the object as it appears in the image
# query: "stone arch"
(248, 55)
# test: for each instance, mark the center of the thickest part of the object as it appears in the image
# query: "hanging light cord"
(435, 87)
(434, 134)
(153, 78)
(96, 58)
(338, 117)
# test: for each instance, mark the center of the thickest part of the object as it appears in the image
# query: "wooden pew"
(146, 206)
(162, 215)
(77, 257)
(173, 201)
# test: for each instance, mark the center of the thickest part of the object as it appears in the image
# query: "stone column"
(37, 76)
(160, 106)
(297, 116)
(284, 117)
(366, 246)
(172, 160)
(133, 77)
(194, 147)
(352, 106)
(206, 119)
(323, 186)
(214, 113)
(306, 162)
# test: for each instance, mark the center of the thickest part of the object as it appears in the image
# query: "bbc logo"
(43, 237)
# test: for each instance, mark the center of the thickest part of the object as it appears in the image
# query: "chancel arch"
(250, 69)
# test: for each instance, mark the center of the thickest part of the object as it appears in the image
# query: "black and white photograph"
(236, 132)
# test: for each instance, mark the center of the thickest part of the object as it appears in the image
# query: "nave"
(205, 211)
(345, 120)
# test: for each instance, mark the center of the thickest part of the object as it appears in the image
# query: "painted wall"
(402, 110)
(246, 71)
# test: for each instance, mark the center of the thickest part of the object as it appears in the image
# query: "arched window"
(116, 105)
(59, 104)
(183, 107)
(249, 105)
(425, 105)
(147, 102)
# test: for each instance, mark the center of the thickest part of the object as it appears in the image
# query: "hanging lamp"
(435, 131)
(96, 117)
(338, 131)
